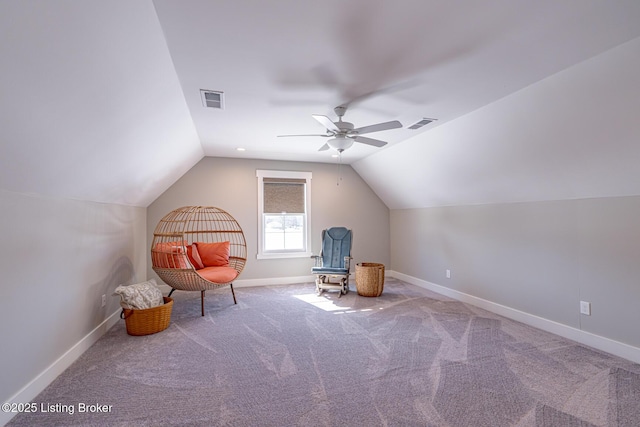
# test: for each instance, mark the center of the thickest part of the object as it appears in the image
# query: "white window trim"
(261, 174)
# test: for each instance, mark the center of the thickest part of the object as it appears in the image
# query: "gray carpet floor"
(285, 357)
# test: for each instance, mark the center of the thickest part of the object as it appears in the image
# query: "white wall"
(540, 258)
(231, 184)
(57, 258)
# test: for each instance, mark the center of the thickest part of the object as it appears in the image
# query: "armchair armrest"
(317, 260)
(347, 262)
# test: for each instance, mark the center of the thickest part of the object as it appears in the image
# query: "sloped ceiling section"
(90, 107)
(575, 134)
(279, 62)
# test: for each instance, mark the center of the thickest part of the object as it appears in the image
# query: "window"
(283, 211)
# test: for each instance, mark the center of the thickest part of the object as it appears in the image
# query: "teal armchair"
(332, 266)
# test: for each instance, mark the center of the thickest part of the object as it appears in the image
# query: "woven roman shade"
(284, 195)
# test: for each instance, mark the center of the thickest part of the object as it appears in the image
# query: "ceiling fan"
(343, 134)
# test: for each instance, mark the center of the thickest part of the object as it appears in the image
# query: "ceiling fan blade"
(370, 141)
(325, 147)
(325, 135)
(378, 127)
(326, 122)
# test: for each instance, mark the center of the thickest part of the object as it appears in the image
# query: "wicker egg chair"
(190, 251)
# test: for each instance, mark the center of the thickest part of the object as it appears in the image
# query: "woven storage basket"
(369, 279)
(150, 320)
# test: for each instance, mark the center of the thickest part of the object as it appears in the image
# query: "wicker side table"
(369, 279)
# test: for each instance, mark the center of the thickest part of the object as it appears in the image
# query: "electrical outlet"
(448, 273)
(585, 308)
(104, 300)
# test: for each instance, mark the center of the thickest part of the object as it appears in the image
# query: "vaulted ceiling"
(535, 100)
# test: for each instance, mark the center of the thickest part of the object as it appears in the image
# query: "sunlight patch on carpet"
(327, 304)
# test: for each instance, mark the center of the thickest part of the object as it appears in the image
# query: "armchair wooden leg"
(202, 301)
(233, 293)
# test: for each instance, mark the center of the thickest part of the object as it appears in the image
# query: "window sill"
(284, 255)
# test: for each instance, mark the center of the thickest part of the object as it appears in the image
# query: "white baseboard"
(248, 283)
(46, 377)
(601, 343)
(282, 281)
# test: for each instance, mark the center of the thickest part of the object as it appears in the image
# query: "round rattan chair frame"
(184, 226)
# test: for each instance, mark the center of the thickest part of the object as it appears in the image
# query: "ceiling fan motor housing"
(345, 127)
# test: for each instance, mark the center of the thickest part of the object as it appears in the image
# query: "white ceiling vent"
(421, 123)
(212, 99)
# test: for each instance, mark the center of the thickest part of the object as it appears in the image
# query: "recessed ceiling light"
(334, 155)
(241, 149)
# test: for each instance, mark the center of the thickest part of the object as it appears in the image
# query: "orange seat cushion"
(214, 254)
(218, 274)
(170, 255)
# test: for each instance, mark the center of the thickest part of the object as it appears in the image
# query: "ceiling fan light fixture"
(340, 143)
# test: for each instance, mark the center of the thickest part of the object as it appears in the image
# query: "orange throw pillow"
(214, 254)
(194, 257)
(169, 255)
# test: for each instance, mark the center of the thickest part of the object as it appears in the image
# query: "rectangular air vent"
(421, 123)
(212, 99)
